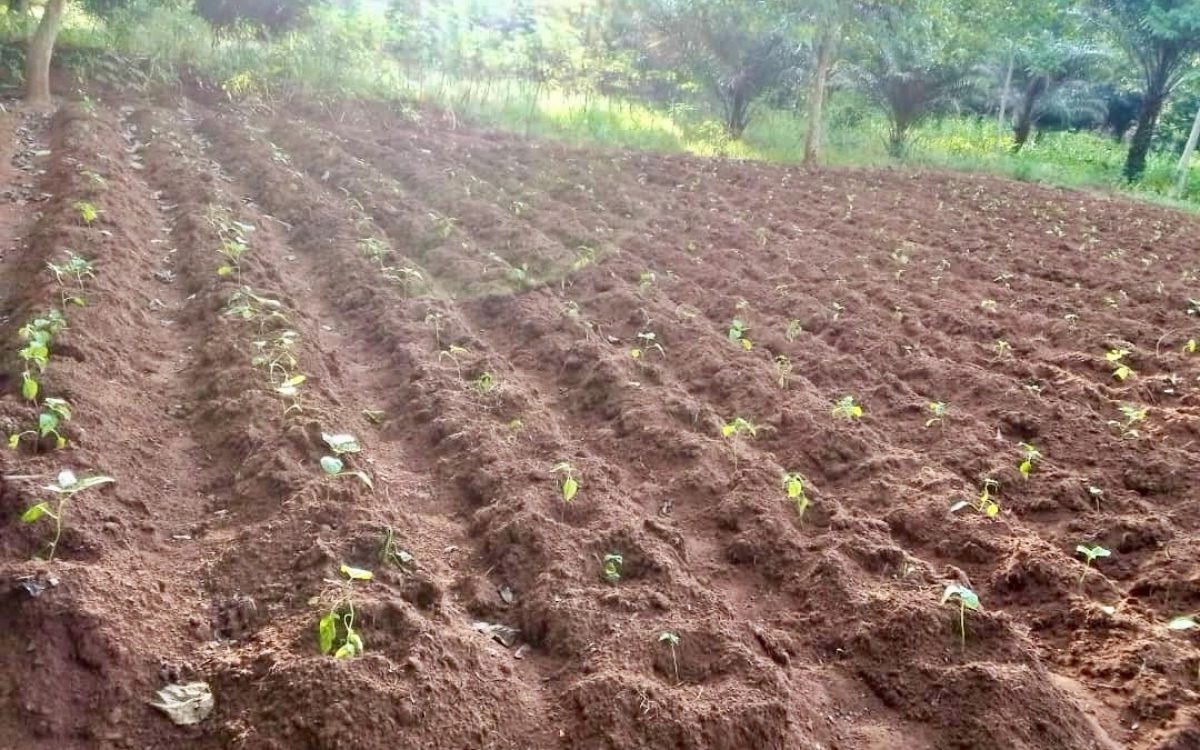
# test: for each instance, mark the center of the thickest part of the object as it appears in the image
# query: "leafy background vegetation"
(1075, 92)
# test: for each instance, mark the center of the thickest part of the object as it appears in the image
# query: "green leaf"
(34, 512)
(88, 482)
(29, 388)
(14, 440)
(341, 442)
(570, 486)
(332, 465)
(1183, 622)
(47, 422)
(969, 598)
(326, 632)
(224, 270)
(356, 574)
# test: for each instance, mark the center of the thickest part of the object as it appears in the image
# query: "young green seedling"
(568, 484)
(65, 487)
(647, 340)
(485, 383)
(984, 503)
(738, 426)
(783, 370)
(1132, 416)
(1121, 370)
(1029, 456)
(74, 267)
(737, 334)
(793, 330)
(453, 353)
(1002, 348)
(336, 628)
(611, 570)
(406, 276)
(88, 212)
(646, 280)
(246, 304)
(375, 249)
(390, 552)
(967, 599)
(937, 411)
(672, 640)
(793, 486)
(342, 444)
(277, 354)
(1090, 554)
(846, 408)
(54, 412)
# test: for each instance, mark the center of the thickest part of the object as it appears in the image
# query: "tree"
(1160, 38)
(830, 18)
(1049, 66)
(39, 52)
(737, 49)
(909, 70)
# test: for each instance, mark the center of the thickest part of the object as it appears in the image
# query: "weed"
(985, 504)
(937, 411)
(54, 412)
(1090, 554)
(611, 570)
(1029, 456)
(647, 340)
(1132, 416)
(568, 484)
(737, 333)
(342, 444)
(88, 212)
(793, 487)
(65, 487)
(846, 408)
(336, 628)
(1121, 370)
(783, 370)
(672, 640)
(967, 599)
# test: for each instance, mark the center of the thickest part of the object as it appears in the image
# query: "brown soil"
(532, 268)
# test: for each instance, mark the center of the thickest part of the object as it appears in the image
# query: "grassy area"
(1083, 159)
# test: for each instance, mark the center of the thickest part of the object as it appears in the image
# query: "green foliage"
(967, 599)
(1029, 456)
(341, 445)
(739, 426)
(65, 487)
(846, 408)
(1090, 555)
(611, 567)
(87, 211)
(335, 630)
(794, 485)
(1131, 416)
(568, 483)
(737, 334)
(937, 412)
(985, 502)
(54, 412)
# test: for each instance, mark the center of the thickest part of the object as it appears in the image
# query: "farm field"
(583, 416)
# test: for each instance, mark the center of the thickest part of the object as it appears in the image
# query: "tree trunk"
(1185, 161)
(1139, 146)
(1024, 126)
(816, 98)
(41, 47)
(1004, 98)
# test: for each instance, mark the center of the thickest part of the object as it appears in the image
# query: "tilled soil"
(469, 306)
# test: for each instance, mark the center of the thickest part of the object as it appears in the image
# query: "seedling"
(988, 305)
(234, 243)
(1184, 622)
(793, 330)
(65, 487)
(336, 627)
(444, 226)
(847, 409)
(739, 426)
(54, 412)
(1121, 370)
(290, 389)
(793, 487)
(342, 444)
(88, 212)
(612, 567)
(568, 485)
(76, 268)
(453, 353)
(390, 552)
(783, 370)
(374, 248)
(937, 411)
(1029, 456)
(277, 354)
(967, 599)
(1090, 554)
(485, 383)
(646, 280)
(247, 304)
(1132, 415)
(737, 333)
(985, 504)
(1002, 348)
(405, 276)
(584, 257)
(647, 340)
(672, 640)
